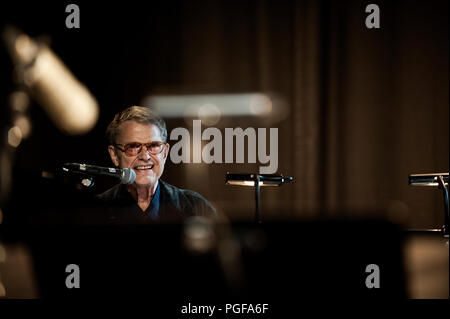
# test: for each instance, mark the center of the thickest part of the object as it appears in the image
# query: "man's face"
(148, 167)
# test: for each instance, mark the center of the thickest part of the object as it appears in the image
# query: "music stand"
(256, 180)
(434, 179)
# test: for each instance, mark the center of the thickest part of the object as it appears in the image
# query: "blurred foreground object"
(427, 265)
(40, 74)
(17, 276)
(68, 102)
(210, 108)
(277, 262)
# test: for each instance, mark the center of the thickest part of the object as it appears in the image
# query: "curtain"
(367, 107)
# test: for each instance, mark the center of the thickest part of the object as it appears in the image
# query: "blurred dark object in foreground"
(426, 255)
(51, 197)
(277, 263)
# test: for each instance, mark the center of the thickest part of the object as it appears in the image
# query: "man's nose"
(144, 154)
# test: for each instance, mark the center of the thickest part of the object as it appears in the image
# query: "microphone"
(126, 175)
(67, 101)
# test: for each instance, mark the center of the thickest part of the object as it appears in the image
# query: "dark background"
(366, 107)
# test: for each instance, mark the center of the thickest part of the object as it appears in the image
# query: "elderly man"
(138, 140)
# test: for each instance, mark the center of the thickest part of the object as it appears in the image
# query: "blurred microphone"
(67, 102)
(126, 175)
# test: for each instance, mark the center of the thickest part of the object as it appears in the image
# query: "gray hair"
(140, 114)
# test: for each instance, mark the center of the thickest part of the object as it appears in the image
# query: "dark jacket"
(175, 205)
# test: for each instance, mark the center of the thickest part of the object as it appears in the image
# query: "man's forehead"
(133, 129)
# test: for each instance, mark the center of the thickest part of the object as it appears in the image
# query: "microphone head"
(128, 176)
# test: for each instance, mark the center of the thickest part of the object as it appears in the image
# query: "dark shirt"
(169, 204)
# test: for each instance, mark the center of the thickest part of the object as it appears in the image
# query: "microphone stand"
(257, 198)
(441, 183)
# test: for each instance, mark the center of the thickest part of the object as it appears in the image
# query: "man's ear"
(166, 151)
(113, 155)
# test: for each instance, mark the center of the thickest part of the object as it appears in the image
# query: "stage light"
(14, 136)
(23, 123)
(209, 114)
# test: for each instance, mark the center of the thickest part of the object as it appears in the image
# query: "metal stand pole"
(257, 199)
(445, 191)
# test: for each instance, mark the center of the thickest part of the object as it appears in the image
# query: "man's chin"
(145, 181)
(145, 178)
